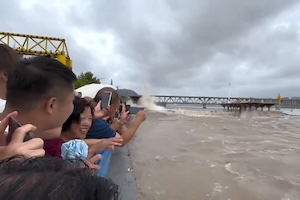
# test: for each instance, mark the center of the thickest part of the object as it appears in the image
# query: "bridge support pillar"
(204, 105)
(245, 106)
(250, 106)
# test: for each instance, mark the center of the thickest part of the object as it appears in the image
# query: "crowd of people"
(64, 142)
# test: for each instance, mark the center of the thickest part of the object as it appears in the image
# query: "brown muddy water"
(217, 155)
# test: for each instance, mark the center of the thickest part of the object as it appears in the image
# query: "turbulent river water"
(213, 154)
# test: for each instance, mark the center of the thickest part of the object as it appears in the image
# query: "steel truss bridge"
(207, 101)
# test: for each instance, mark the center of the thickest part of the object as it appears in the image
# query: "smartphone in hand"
(135, 110)
(106, 99)
(13, 125)
(127, 108)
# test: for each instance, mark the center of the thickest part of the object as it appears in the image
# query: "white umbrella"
(92, 89)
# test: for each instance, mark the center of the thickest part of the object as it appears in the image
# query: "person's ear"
(51, 105)
(4, 76)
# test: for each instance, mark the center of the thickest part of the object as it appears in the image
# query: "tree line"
(85, 78)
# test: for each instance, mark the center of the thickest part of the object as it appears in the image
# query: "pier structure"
(243, 106)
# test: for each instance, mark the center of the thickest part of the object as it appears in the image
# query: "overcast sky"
(176, 47)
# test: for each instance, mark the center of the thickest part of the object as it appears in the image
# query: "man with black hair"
(50, 178)
(41, 89)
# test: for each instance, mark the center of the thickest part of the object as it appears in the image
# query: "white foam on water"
(148, 102)
(291, 112)
(228, 167)
(211, 164)
(265, 141)
(229, 152)
(174, 158)
(278, 178)
(217, 189)
(194, 113)
(158, 157)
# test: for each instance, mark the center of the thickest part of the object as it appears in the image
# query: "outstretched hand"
(140, 116)
(92, 162)
(109, 143)
(31, 148)
(124, 115)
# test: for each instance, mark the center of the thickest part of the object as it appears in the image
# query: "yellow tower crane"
(37, 46)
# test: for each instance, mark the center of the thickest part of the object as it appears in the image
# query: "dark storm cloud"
(178, 44)
(42, 19)
(179, 47)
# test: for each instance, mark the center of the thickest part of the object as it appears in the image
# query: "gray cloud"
(178, 47)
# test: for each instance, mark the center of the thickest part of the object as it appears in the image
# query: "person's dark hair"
(79, 105)
(91, 101)
(8, 58)
(50, 178)
(114, 98)
(38, 78)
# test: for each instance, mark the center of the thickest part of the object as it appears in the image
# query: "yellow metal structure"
(279, 98)
(38, 46)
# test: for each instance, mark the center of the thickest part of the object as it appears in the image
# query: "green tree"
(85, 79)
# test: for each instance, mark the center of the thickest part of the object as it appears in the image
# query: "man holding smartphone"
(8, 60)
(41, 89)
(17, 146)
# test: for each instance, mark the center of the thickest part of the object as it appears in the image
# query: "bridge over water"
(207, 101)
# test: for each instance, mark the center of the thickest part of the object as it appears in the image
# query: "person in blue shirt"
(101, 128)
